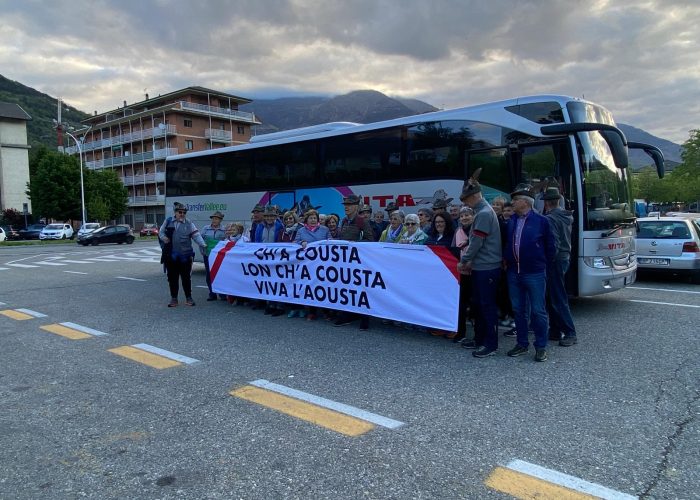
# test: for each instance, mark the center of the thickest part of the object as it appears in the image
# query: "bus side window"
(494, 171)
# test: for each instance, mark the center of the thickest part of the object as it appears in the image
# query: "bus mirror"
(617, 142)
(654, 153)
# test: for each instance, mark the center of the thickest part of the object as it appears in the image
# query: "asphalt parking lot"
(107, 393)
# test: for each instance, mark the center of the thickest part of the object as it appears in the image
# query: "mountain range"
(361, 106)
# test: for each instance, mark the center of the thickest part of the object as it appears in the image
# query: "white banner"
(415, 284)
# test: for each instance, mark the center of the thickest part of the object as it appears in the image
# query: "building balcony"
(129, 159)
(131, 180)
(218, 135)
(139, 135)
(232, 114)
(147, 200)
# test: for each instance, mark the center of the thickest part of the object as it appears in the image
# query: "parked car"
(670, 244)
(2, 235)
(11, 234)
(88, 228)
(32, 232)
(108, 234)
(149, 230)
(60, 231)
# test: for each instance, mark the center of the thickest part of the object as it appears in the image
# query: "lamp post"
(82, 185)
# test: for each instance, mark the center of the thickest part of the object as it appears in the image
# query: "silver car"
(671, 244)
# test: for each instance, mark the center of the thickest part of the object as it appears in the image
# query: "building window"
(188, 123)
(241, 129)
(189, 144)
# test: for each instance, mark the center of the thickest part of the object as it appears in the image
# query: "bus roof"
(480, 112)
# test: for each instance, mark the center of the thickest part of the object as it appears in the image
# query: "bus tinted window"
(191, 176)
(435, 149)
(494, 176)
(362, 158)
(284, 166)
(539, 112)
(233, 172)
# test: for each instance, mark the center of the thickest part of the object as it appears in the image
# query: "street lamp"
(82, 185)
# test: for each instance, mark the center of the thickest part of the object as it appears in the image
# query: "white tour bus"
(414, 160)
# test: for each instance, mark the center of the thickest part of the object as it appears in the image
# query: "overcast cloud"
(640, 59)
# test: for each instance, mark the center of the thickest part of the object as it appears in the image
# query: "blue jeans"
(484, 296)
(560, 320)
(524, 289)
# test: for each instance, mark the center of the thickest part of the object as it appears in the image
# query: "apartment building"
(14, 157)
(135, 139)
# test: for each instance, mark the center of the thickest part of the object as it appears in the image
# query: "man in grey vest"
(177, 234)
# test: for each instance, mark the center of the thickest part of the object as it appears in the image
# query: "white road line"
(127, 278)
(47, 263)
(664, 303)
(4, 268)
(201, 286)
(83, 329)
(102, 259)
(167, 354)
(24, 266)
(32, 313)
(77, 261)
(327, 403)
(661, 289)
(567, 481)
(2, 304)
(74, 272)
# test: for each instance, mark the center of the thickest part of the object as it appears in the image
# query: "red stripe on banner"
(220, 258)
(447, 258)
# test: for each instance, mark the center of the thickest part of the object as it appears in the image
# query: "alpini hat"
(352, 199)
(217, 214)
(179, 206)
(270, 210)
(551, 193)
(523, 189)
(441, 203)
(258, 208)
(472, 186)
(366, 208)
(391, 207)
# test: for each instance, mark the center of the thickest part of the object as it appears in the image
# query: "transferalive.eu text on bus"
(414, 160)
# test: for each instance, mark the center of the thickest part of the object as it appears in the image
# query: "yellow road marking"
(146, 358)
(64, 331)
(19, 316)
(528, 487)
(338, 422)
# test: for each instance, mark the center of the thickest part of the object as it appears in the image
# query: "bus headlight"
(598, 262)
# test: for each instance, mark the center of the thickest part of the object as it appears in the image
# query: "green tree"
(686, 176)
(106, 196)
(54, 186)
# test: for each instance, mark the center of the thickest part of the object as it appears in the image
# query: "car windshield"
(54, 226)
(91, 226)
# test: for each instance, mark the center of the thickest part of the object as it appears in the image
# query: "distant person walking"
(177, 234)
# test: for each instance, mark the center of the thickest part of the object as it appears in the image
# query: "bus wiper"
(622, 225)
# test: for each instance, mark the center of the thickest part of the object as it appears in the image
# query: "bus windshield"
(607, 189)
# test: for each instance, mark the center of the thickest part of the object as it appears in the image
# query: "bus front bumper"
(593, 281)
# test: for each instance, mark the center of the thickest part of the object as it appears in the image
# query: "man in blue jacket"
(528, 249)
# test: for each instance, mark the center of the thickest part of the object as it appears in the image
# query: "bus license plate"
(656, 262)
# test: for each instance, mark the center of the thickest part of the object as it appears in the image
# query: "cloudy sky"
(640, 59)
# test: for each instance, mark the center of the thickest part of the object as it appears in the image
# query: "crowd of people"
(513, 257)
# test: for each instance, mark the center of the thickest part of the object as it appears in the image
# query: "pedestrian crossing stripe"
(66, 332)
(524, 480)
(83, 329)
(338, 417)
(11, 313)
(152, 356)
(22, 314)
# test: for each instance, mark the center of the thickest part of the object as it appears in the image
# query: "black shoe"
(268, 310)
(458, 337)
(555, 337)
(469, 344)
(277, 312)
(212, 296)
(568, 341)
(541, 355)
(189, 302)
(342, 322)
(364, 324)
(517, 351)
(510, 333)
(483, 352)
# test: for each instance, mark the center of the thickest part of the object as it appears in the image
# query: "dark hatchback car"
(32, 232)
(108, 234)
(11, 233)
